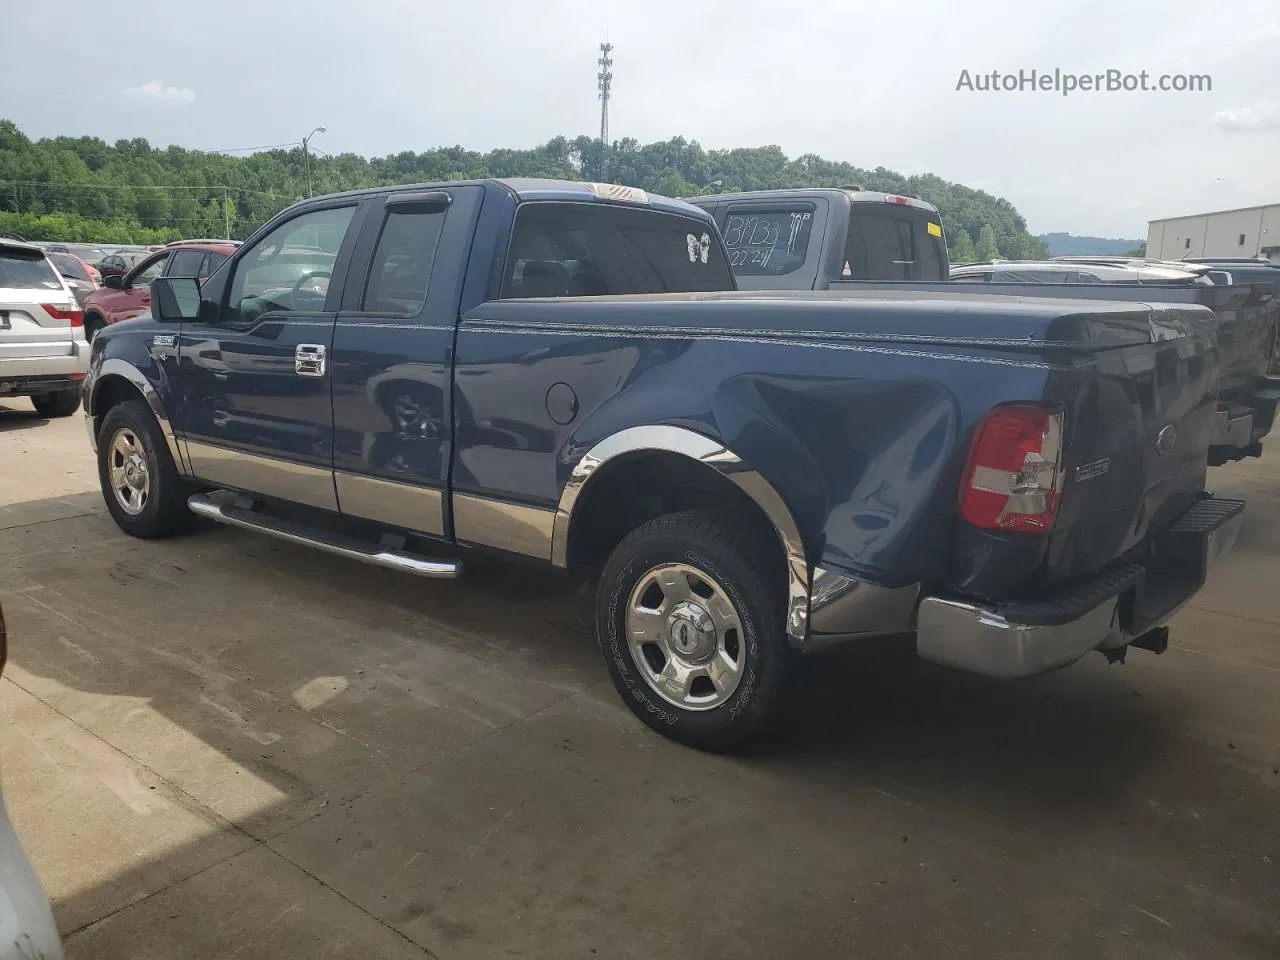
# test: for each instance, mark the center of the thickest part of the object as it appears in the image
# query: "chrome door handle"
(308, 360)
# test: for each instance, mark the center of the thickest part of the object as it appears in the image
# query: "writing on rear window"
(767, 243)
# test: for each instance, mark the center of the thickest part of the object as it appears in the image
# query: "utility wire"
(115, 186)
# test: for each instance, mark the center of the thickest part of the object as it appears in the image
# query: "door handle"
(308, 360)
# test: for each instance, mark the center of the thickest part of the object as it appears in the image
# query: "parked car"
(122, 298)
(563, 371)
(878, 259)
(809, 239)
(119, 263)
(27, 928)
(74, 274)
(43, 353)
(1050, 271)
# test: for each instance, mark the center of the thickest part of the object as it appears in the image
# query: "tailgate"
(28, 331)
(1139, 417)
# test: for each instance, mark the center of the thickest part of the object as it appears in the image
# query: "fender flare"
(713, 454)
(116, 367)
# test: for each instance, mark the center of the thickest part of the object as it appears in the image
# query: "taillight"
(61, 313)
(1013, 479)
(894, 198)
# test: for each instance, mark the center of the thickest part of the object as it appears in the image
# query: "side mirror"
(114, 281)
(174, 299)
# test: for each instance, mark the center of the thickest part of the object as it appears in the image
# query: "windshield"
(22, 270)
(593, 249)
(893, 243)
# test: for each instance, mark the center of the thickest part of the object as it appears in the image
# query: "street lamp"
(306, 156)
(714, 184)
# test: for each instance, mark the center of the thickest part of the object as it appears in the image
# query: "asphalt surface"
(223, 745)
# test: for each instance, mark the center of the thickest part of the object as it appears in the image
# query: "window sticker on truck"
(699, 247)
(935, 229)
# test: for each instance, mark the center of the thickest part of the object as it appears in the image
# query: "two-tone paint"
(845, 421)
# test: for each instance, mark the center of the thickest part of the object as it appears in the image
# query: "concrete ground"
(224, 745)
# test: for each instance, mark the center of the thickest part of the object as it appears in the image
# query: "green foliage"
(1139, 251)
(136, 188)
(962, 250)
(986, 248)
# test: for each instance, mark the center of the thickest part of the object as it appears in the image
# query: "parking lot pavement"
(223, 744)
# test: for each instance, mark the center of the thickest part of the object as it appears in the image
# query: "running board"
(205, 505)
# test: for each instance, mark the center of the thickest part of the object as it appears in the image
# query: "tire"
(62, 403)
(129, 428)
(707, 552)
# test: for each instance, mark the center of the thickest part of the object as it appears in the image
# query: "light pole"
(716, 184)
(306, 156)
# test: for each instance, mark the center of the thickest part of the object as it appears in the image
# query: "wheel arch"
(116, 381)
(703, 454)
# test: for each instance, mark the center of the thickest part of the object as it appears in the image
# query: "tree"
(986, 248)
(137, 192)
(962, 250)
(1139, 251)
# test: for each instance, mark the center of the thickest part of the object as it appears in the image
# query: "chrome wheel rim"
(130, 477)
(685, 637)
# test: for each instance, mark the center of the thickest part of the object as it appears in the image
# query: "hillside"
(1069, 245)
(82, 188)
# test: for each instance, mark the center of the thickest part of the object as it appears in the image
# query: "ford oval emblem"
(1166, 439)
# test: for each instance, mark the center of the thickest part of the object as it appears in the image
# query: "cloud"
(157, 92)
(1259, 117)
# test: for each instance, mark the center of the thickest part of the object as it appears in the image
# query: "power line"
(268, 146)
(125, 186)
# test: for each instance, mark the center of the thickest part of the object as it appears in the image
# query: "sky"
(874, 84)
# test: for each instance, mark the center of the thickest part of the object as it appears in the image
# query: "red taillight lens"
(894, 198)
(1013, 479)
(62, 313)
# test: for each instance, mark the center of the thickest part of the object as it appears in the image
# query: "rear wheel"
(691, 624)
(61, 403)
(145, 494)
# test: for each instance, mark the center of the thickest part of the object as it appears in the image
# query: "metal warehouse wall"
(1231, 233)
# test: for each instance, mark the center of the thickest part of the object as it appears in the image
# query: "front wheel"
(140, 482)
(61, 403)
(691, 624)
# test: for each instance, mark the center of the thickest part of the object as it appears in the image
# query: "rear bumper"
(1106, 612)
(18, 375)
(1239, 427)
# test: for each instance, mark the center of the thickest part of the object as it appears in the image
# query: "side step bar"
(205, 505)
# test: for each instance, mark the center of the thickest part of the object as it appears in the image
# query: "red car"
(121, 298)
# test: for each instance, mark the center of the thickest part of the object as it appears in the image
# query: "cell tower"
(604, 81)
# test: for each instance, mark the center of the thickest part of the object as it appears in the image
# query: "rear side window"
(587, 249)
(22, 270)
(211, 263)
(186, 263)
(402, 260)
(888, 246)
(767, 242)
(68, 266)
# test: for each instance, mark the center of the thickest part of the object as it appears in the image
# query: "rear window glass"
(888, 247)
(69, 266)
(586, 249)
(767, 242)
(186, 263)
(22, 270)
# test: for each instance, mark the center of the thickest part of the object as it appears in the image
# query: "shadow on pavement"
(314, 750)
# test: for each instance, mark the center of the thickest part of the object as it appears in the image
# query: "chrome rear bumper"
(996, 642)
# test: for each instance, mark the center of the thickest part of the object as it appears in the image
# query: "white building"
(1246, 232)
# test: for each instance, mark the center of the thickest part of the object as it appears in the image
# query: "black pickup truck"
(854, 241)
(563, 372)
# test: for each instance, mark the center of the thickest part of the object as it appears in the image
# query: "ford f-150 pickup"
(850, 240)
(564, 371)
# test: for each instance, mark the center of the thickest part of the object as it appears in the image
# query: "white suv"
(43, 352)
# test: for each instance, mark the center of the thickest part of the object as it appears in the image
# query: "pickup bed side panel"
(864, 442)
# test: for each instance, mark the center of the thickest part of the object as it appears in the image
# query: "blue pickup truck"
(565, 372)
